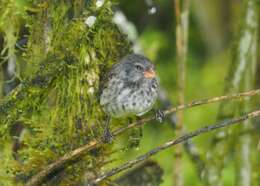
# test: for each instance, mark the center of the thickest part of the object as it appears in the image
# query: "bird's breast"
(136, 100)
(129, 98)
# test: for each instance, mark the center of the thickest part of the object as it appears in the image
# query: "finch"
(129, 88)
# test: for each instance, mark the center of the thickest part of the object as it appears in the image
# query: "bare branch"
(70, 156)
(174, 142)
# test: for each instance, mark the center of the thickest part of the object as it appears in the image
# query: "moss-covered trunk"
(59, 67)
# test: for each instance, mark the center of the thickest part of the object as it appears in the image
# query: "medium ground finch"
(129, 88)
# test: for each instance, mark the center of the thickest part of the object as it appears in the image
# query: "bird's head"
(137, 68)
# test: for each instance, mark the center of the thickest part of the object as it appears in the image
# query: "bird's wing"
(111, 85)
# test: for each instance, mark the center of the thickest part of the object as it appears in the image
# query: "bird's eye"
(139, 67)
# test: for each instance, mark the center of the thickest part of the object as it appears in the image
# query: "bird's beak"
(149, 74)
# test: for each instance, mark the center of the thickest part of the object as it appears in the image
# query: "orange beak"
(149, 74)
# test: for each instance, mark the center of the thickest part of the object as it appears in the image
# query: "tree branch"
(70, 156)
(174, 142)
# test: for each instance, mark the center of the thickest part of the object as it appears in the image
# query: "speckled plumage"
(126, 91)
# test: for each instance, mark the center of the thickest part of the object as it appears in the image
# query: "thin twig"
(70, 156)
(174, 142)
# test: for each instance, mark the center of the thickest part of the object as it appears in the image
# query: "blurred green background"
(213, 32)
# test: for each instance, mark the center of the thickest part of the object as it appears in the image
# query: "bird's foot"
(159, 116)
(107, 136)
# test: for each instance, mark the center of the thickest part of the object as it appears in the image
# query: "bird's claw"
(159, 116)
(107, 137)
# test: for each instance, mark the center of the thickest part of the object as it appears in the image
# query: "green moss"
(57, 100)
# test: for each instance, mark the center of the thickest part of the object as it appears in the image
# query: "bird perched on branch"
(129, 88)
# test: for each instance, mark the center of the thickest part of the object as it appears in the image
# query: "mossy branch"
(174, 142)
(70, 156)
